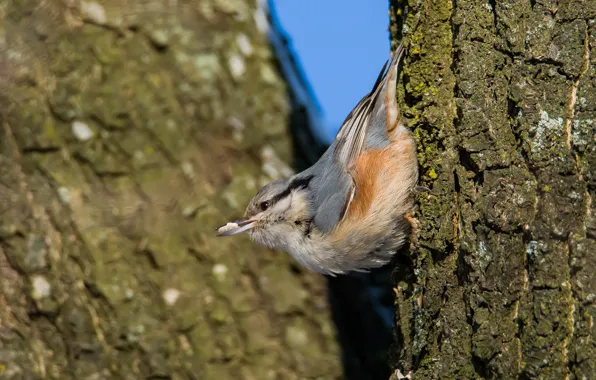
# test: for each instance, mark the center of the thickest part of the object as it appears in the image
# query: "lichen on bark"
(501, 99)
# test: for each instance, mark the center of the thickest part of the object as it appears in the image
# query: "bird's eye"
(264, 205)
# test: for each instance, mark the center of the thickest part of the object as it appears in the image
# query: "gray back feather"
(377, 135)
(329, 191)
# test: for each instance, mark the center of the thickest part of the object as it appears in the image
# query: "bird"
(352, 209)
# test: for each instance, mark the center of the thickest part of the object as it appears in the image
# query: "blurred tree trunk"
(501, 283)
(129, 131)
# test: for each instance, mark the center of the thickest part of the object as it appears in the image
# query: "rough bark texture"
(129, 131)
(502, 280)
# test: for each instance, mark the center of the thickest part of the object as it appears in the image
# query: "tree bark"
(129, 131)
(501, 281)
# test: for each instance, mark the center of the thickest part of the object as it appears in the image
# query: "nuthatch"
(352, 209)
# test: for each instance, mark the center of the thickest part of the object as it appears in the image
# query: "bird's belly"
(359, 251)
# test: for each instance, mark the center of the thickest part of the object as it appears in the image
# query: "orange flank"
(368, 167)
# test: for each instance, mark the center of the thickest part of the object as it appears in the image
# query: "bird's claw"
(421, 189)
(397, 375)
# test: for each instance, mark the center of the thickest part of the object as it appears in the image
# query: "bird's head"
(277, 209)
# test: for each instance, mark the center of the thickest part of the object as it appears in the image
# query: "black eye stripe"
(298, 183)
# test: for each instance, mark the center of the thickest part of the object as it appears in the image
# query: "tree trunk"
(501, 282)
(129, 131)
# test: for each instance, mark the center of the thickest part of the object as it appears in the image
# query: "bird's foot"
(397, 375)
(421, 189)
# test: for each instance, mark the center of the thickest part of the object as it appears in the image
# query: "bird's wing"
(352, 134)
(350, 141)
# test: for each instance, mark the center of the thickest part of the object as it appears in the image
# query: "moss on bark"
(500, 283)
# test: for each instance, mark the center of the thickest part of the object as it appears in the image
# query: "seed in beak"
(235, 227)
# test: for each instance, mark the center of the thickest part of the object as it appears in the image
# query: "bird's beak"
(235, 227)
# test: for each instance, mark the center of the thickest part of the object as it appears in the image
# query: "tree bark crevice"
(497, 293)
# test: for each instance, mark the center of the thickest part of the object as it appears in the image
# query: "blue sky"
(342, 45)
